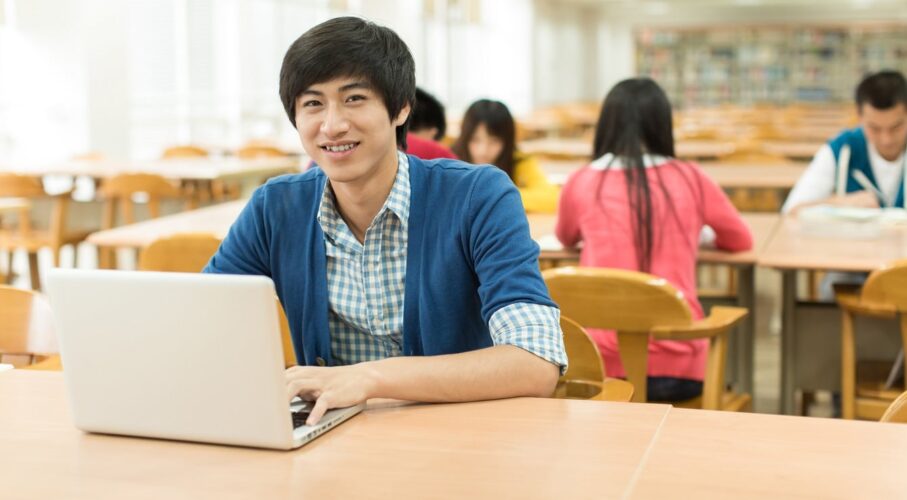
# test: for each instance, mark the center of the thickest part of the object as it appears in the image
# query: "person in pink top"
(637, 207)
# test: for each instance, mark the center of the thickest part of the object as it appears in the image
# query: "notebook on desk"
(191, 357)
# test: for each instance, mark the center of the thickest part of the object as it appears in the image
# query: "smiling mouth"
(343, 148)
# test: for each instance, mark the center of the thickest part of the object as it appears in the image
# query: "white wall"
(565, 53)
(42, 83)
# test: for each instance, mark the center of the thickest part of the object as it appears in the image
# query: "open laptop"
(194, 357)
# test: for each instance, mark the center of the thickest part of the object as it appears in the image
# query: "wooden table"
(745, 455)
(789, 250)
(13, 205)
(215, 219)
(799, 150)
(248, 172)
(742, 351)
(727, 175)
(518, 448)
(579, 149)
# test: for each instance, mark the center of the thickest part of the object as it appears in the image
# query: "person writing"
(864, 166)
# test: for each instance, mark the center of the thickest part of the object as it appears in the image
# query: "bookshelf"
(771, 64)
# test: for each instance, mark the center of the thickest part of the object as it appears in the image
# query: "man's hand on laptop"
(329, 387)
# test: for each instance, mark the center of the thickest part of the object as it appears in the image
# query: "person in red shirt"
(427, 125)
(637, 207)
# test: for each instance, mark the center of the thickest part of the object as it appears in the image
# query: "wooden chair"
(640, 306)
(197, 190)
(26, 327)
(184, 151)
(884, 295)
(179, 253)
(897, 411)
(22, 235)
(255, 150)
(585, 377)
(188, 253)
(119, 191)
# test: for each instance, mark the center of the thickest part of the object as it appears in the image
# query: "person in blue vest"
(401, 278)
(864, 166)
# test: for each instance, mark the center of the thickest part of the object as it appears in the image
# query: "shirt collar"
(397, 202)
(611, 161)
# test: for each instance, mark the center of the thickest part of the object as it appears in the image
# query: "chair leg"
(8, 279)
(33, 271)
(848, 367)
(807, 398)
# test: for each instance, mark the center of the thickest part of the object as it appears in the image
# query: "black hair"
(498, 122)
(351, 47)
(428, 113)
(882, 90)
(635, 120)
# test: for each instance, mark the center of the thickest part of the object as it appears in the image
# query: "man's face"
(344, 127)
(886, 129)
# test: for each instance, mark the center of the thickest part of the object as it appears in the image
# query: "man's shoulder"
(852, 137)
(447, 167)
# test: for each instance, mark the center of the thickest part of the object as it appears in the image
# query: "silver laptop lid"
(178, 356)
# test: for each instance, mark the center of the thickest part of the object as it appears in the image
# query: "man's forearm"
(496, 372)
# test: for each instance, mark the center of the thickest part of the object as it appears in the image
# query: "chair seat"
(872, 398)
(51, 363)
(611, 389)
(848, 297)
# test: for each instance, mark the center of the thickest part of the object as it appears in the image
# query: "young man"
(401, 278)
(864, 166)
(427, 125)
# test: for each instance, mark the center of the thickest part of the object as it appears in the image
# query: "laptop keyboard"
(299, 417)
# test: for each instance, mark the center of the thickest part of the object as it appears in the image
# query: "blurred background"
(132, 77)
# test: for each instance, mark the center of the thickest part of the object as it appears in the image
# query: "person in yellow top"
(488, 135)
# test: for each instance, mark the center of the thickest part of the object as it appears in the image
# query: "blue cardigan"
(469, 254)
(859, 160)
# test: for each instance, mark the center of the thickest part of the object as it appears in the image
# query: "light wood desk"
(519, 448)
(579, 149)
(800, 150)
(12, 205)
(745, 455)
(248, 172)
(726, 175)
(742, 351)
(215, 219)
(789, 251)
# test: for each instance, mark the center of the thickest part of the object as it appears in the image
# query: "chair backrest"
(259, 151)
(180, 253)
(26, 324)
(119, 190)
(616, 299)
(186, 151)
(897, 410)
(585, 359)
(31, 188)
(638, 306)
(888, 285)
(20, 186)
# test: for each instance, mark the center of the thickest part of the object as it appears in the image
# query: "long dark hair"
(498, 122)
(635, 120)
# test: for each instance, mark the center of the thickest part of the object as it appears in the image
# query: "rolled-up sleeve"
(531, 327)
